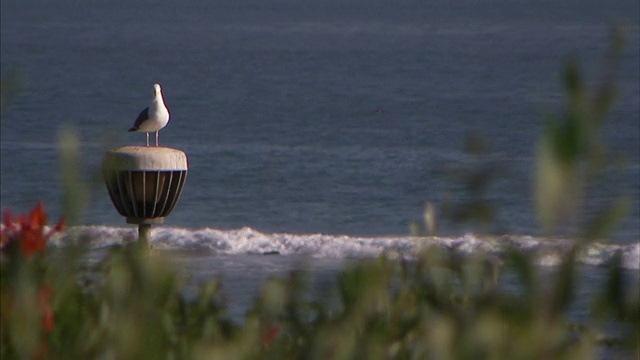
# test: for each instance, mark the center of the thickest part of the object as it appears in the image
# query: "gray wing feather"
(144, 115)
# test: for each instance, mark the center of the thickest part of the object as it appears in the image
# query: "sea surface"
(316, 130)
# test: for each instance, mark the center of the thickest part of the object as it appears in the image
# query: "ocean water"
(316, 130)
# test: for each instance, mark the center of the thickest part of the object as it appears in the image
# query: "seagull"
(154, 117)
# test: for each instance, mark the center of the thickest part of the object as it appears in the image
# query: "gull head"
(157, 90)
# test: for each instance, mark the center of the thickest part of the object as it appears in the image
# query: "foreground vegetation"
(132, 305)
(442, 306)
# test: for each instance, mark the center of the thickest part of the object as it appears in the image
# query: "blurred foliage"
(75, 191)
(9, 87)
(471, 182)
(442, 305)
(571, 158)
(132, 305)
(475, 183)
(571, 153)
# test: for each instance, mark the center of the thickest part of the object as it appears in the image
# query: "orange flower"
(33, 239)
(30, 231)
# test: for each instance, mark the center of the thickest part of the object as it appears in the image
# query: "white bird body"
(154, 117)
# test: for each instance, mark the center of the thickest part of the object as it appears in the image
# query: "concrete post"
(144, 184)
(144, 235)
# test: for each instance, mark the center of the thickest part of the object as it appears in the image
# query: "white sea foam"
(548, 252)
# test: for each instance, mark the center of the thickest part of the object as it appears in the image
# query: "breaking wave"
(548, 252)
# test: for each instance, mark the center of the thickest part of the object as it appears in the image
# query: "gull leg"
(147, 139)
(157, 137)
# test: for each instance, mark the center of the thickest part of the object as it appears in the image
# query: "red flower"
(44, 297)
(30, 231)
(270, 335)
(9, 228)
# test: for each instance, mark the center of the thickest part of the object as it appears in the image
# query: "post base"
(144, 235)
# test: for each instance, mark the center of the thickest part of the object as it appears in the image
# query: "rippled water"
(315, 116)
